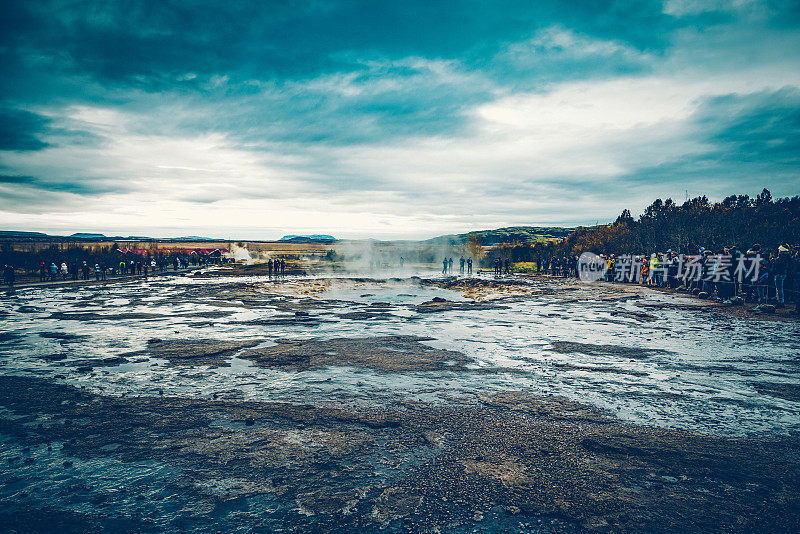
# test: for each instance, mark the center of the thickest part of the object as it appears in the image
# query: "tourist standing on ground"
(469, 265)
(780, 269)
(8, 275)
(794, 275)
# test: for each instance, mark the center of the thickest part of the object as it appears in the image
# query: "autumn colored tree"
(664, 225)
(475, 247)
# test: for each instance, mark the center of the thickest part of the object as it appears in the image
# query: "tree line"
(738, 220)
(683, 228)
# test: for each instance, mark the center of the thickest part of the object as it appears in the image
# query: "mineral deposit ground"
(225, 403)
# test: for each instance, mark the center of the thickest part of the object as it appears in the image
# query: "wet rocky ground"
(514, 460)
(415, 404)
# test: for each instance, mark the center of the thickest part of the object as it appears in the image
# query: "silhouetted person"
(444, 266)
(8, 275)
(42, 272)
(461, 263)
(450, 265)
(469, 265)
(283, 267)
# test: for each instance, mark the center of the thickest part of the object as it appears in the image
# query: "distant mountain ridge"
(313, 238)
(90, 236)
(509, 234)
(16, 233)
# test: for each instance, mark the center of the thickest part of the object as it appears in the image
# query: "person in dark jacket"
(780, 270)
(8, 275)
(794, 273)
(749, 286)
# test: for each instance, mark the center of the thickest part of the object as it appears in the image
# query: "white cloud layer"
(565, 151)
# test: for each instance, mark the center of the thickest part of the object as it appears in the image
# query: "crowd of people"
(55, 271)
(765, 277)
(277, 267)
(731, 275)
(561, 266)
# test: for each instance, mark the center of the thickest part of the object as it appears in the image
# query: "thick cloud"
(389, 118)
(19, 130)
(763, 126)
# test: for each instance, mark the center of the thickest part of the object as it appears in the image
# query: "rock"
(595, 523)
(702, 295)
(767, 308)
(387, 353)
(737, 301)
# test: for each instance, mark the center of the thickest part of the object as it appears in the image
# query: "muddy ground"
(514, 460)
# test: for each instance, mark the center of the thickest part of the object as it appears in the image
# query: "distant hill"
(91, 236)
(14, 233)
(511, 234)
(85, 235)
(314, 238)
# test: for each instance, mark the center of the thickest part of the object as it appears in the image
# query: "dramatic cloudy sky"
(387, 119)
